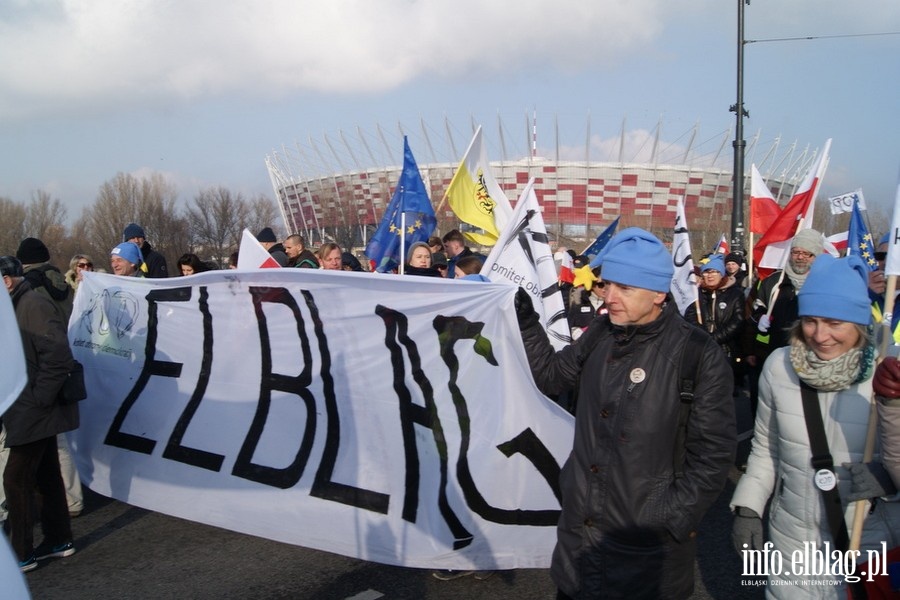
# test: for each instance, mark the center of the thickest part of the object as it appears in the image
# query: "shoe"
(449, 574)
(74, 514)
(59, 551)
(29, 564)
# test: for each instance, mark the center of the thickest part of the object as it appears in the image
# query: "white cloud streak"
(90, 52)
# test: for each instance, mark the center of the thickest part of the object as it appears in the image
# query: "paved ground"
(126, 552)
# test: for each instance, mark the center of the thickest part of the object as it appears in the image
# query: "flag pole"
(750, 261)
(861, 507)
(402, 260)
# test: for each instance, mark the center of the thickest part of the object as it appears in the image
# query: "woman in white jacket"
(831, 350)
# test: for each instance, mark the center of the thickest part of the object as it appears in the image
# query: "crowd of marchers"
(652, 389)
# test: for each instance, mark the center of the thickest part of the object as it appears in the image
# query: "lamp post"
(737, 211)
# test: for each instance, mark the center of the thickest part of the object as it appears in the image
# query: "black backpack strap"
(688, 373)
(823, 461)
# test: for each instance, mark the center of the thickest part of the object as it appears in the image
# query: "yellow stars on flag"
(867, 248)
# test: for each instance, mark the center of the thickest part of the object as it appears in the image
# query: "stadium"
(337, 188)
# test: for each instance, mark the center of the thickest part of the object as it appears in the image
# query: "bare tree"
(42, 214)
(215, 219)
(149, 202)
(44, 219)
(12, 225)
(262, 212)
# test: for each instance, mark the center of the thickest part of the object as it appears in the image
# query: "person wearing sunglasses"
(586, 304)
(878, 286)
(77, 266)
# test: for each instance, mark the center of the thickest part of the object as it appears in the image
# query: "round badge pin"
(825, 480)
(637, 375)
(722, 306)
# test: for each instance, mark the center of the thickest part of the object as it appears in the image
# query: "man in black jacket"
(43, 277)
(32, 424)
(154, 264)
(650, 453)
(267, 238)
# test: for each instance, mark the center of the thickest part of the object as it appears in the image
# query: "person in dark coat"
(154, 264)
(418, 261)
(456, 249)
(299, 256)
(32, 424)
(639, 478)
(721, 310)
(43, 277)
(267, 238)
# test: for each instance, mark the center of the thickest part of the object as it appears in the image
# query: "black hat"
(348, 260)
(32, 251)
(133, 230)
(10, 267)
(581, 260)
(266, 235)
(735, 258)
(438, 259)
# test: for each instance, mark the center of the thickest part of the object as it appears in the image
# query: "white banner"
(844, 202)
(684, 281)
(522, 257)
(388, 418)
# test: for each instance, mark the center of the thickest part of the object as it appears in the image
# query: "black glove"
(869, 480)
(524, 306)
(887, 378)
(747, 529)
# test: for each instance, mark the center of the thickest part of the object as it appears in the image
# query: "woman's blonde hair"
(865, 334)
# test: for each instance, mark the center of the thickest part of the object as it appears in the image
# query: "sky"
(203, 91)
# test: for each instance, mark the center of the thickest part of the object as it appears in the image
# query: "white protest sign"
(844, 202)
(389, 418)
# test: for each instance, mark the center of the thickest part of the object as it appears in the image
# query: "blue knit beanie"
(637, 258)
(716, 262)
(836, 288)
(129, 251)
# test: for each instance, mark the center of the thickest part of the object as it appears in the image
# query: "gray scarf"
(835, 374)
(796, 278)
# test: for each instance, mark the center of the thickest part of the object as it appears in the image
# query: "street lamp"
(737, 210)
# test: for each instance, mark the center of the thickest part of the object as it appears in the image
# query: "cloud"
(75, 53)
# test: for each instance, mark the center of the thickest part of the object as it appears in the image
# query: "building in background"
(337, 188)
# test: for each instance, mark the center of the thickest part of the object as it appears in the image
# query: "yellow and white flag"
(475, 196)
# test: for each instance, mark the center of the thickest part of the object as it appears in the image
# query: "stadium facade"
(326, 192)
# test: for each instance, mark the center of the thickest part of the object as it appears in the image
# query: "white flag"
(892, 263)
(252, 255)
(684, 283)
(844, 202)
(13, 377)
(522, 256)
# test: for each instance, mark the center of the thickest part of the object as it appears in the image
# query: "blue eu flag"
(602, 239)
(409, 214)
(859, 240)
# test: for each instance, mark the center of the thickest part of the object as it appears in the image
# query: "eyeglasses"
(85, 265)
(802, 253)
(880, 255)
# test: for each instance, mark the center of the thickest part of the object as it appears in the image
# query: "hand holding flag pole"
(891, 269)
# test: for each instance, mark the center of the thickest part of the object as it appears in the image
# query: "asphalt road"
(126, 552)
